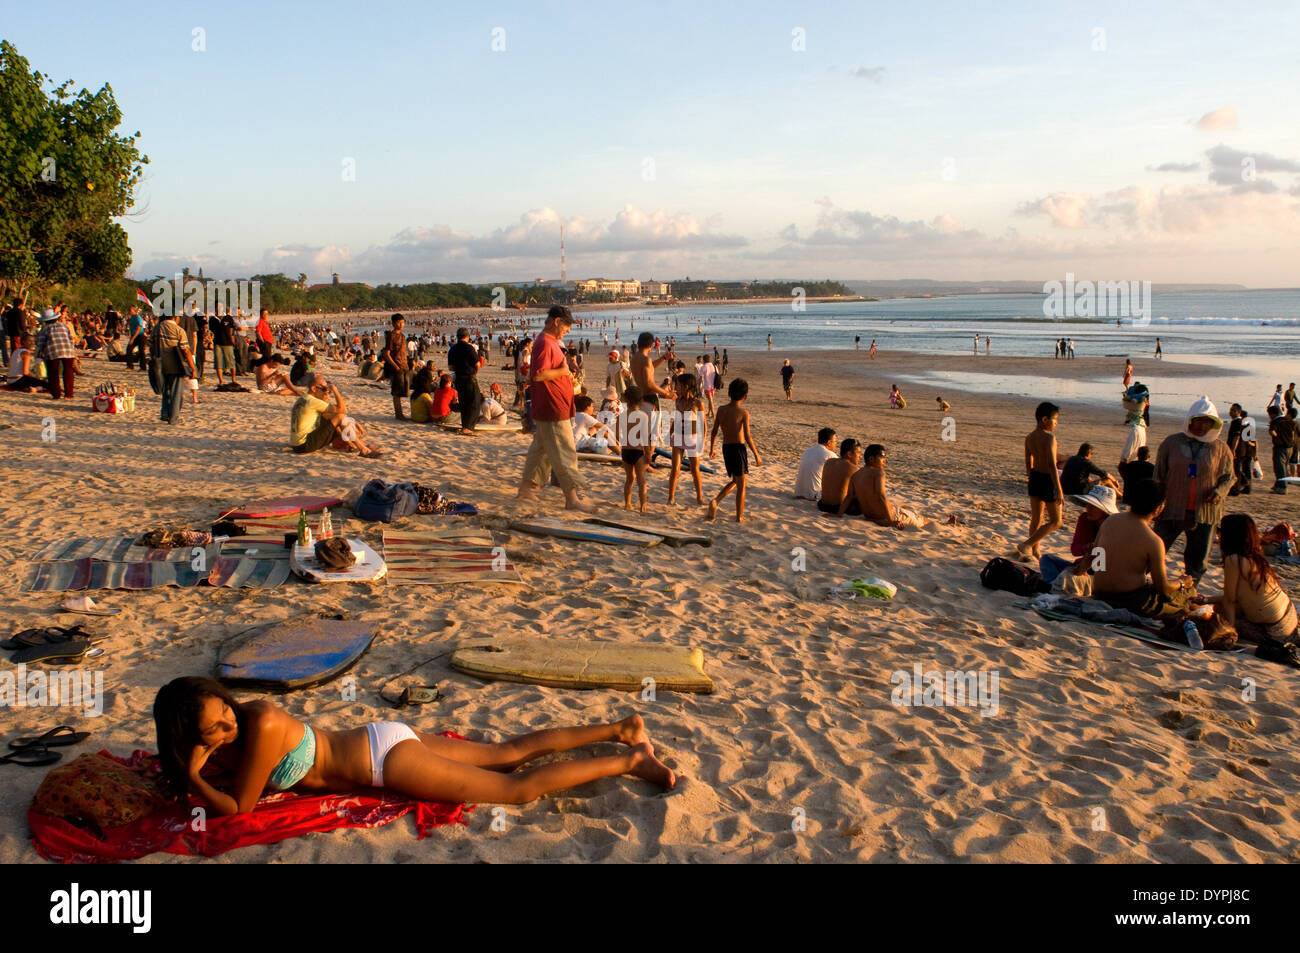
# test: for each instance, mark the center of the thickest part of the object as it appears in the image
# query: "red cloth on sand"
(278, 816)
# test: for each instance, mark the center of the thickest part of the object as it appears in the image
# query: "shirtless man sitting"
(1130, 551)
(868, 487)
(836, 474)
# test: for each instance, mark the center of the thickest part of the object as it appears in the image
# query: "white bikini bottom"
(383, 735)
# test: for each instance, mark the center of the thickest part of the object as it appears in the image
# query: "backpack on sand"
(1007, 576)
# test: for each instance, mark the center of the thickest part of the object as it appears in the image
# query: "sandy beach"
(1101, 748)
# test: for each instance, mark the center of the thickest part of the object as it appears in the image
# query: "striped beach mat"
(80, 574)
(115, 549)
(250, 572)
(446, 557)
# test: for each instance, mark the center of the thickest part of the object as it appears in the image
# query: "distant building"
(618, 287)
(656, 289)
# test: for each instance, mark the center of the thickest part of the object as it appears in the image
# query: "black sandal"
(35, 757)
(59, 737)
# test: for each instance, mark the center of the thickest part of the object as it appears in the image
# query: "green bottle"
(302, 527)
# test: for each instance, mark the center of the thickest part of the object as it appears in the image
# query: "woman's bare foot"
(631, 731)
(646, 766)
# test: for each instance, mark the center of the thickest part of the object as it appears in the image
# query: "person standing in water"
(873, 349)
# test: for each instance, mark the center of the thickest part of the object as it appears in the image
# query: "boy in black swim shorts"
(733, 422)
(1045, 496)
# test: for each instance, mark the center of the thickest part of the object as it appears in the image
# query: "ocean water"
(1264, 323)
(1252, 336)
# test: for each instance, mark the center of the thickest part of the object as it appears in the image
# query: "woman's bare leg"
(415, 771)
(509, 754)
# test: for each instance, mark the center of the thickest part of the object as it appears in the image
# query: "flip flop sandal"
(35, 757)
(45, 653)
(26, 638)
(59, 737)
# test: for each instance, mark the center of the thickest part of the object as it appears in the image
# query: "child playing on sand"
(896, 398)
(1044, 481)
(943, 405)
(634, 428)
(733, 421)
(686, 437)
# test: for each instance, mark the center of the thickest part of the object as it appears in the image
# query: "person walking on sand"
(787, 378)
(551, 400)
(396, 361)
(857, 342)
(873, 349)
(1128, 372)
(733, 422)
(1159, 354)
(1045, 496)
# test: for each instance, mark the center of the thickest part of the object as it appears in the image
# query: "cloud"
(633, 240)
(1223, 118)
(874, 74)
(1175, 167)
(1241, 169)
(1065, 209)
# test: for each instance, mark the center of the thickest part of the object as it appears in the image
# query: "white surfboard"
(369, 567)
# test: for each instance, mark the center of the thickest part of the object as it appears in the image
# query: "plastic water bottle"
(1193, 635)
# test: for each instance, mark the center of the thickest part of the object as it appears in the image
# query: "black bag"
(1004, 575)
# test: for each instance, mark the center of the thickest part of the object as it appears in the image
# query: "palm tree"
(302, 280)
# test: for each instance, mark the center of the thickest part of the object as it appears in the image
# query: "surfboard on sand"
(570, 663)
(585, 532)
(485, 428)
(296, 653)
(283, 505)
(608, 458)
(370, 566)
(670, 537)
(705, 467)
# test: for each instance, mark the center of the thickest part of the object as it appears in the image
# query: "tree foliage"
(65, 174)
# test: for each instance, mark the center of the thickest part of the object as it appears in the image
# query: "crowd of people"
(1119, 555)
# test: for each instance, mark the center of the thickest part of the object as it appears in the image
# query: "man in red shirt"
(265, 341)
(551, 390)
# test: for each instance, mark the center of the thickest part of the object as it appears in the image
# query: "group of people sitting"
(1119, 556)
(851, 483)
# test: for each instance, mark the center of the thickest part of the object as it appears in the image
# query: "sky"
(404, 142)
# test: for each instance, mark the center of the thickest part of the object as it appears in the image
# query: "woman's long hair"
(1239, 536)
(176, 719)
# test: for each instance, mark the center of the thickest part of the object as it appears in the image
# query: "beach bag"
(1006, 576)
(96, 793)
(386, 502)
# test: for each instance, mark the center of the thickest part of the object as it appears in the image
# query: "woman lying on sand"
(259, 746)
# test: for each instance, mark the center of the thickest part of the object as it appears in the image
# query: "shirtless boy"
(1045, 494)
(733, 422)
(836, 474)
(643, 376)
(867, 488)
(1130, 551)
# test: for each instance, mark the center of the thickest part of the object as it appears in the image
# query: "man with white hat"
(1194, 472)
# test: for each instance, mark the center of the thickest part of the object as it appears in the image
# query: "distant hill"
(912, 287)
